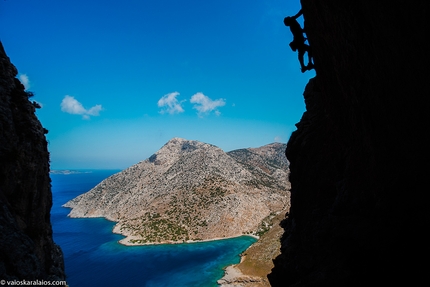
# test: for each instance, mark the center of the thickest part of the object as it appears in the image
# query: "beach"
(132, 240)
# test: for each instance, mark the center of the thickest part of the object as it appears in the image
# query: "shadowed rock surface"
(359, 157)
(27, 250)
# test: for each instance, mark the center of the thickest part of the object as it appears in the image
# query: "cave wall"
(359, 156)
(27, 250)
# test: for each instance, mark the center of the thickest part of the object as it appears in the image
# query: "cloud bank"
(170, 104)
(71, 106)
(205, 105)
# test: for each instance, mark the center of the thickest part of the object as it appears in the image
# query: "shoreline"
(126, 240)
(232, 275)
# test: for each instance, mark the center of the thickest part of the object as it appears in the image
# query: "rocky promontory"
(189, 190)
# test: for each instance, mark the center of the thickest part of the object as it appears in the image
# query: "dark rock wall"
(27, 250)
(359, 157)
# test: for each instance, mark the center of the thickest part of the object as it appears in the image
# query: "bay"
(93, 256)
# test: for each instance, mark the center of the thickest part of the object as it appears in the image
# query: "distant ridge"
(189, 190)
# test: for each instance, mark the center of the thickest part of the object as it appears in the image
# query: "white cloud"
(23, 78)
(204, 105)
(278, 139)
(170, 104)
(94, 111)
(72, 106)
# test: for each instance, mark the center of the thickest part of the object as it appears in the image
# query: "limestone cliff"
(359, 157)
(27, 250)
(189, 190)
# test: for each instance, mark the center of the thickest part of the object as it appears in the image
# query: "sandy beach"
(126, 241)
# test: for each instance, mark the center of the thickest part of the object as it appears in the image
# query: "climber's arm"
(298, 14)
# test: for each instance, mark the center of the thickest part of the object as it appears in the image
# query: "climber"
(298, 42)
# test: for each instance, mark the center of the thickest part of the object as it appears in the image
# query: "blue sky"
(118, 79)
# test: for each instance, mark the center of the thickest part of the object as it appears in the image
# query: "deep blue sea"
(94, 258)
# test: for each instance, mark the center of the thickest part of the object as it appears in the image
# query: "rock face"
(359, 157)
(189, 190)
(27, 250)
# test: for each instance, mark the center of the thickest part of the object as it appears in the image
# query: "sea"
(93, 256)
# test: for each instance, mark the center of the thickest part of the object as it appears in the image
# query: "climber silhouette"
(298, 42)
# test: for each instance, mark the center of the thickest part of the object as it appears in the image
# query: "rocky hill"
(189, 190)
(359, 158)
(27, 250)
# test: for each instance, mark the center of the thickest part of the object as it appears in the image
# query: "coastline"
(255, 262)
(234, 277)
(126, 240)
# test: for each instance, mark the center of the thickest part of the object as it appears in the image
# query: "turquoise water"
(94, 258)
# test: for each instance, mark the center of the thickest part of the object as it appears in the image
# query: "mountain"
(27, 249)
(189, 190)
